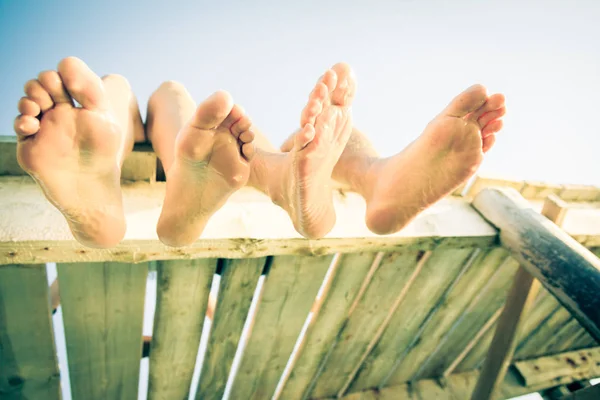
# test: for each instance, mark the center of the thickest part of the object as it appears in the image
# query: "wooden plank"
(289, 291)
(519, 301)
(453, 307)
(563, 340)
(576, 363)
(590, 393)
(140, 165)
(539, 190)
(584, 340)
(480, 310)
(237, 230)
(28, 365)
(238, 282)
(103, 312)
(532, 345)
(475, 355)
(482, 182)
(348, 281)
(543, 308)
(425, 307)
(460, 385)
(566, 268)
(181, 299)
(386, 289)
(8, 157)
(580, 193)
(521, 297)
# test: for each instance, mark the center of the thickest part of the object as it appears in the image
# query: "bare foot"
(302, 183)
(75, 153)
(212, 154)
(446, 154)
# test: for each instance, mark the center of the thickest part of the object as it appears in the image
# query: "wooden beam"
(518, 304)
(235, 231)
(501, 349)
(567, 269)
(585, 362)
(140, 165)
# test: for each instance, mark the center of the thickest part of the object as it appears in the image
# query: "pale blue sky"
(410, 58)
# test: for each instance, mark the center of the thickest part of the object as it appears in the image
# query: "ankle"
(359, 173)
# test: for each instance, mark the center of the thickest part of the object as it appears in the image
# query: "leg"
(205, 154)
(300, 181)
(448, 152)
(357, 157)
(76, 153)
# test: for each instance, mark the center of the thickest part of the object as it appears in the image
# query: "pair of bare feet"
(209, 152)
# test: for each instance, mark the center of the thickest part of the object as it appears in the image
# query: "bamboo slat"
(103, 311)
(181, 300)
(28, 365)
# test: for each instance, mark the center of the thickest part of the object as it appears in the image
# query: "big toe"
(344, 92)
(82, 83)
(468, 101)
(213, 111)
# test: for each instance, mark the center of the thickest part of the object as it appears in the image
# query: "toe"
(310, 112)
(491, 128)
(246, 136)
(27, 106)
(237, 121)
(329, 79)
(490, 116)
(26, 125)
(52, 83)
(248, 151)
(36, 92)
(345, 89)
(304, 137)
(493, 103)
(213, 111)
(82, 84)
(488, 142)
(467, 102)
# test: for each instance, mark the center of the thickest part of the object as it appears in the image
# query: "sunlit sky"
(410, 58)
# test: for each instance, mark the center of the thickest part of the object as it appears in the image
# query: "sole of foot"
(448, 152)
(326, 125)
(74, 153)
(212, 155)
